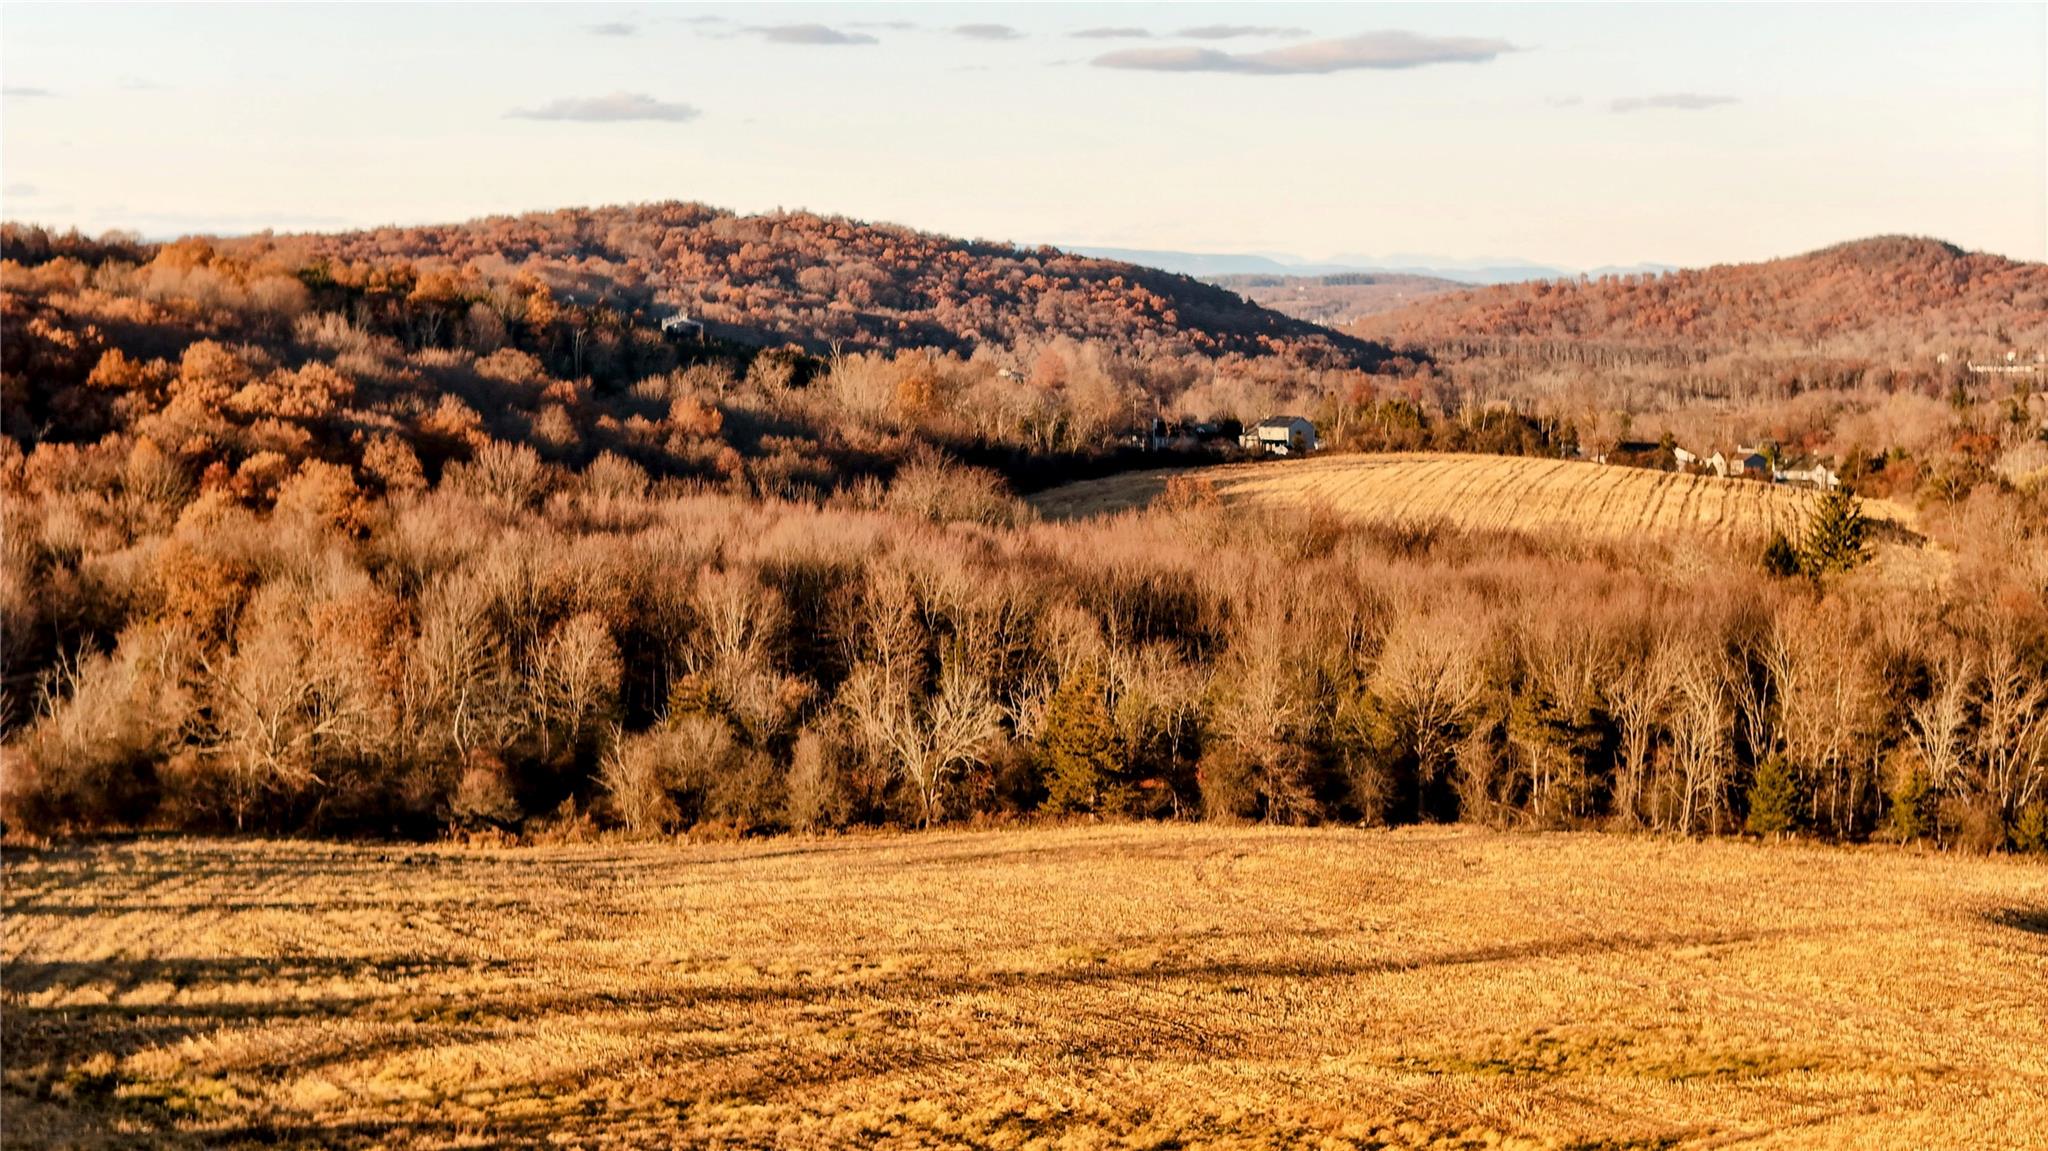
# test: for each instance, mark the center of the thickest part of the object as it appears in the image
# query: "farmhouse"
(1749, 462)
(1817, 476)
(1282, 436)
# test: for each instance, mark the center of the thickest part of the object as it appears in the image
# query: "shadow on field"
(730, 1039)
(1892, 532)
(1095, 497)
(2031, 919)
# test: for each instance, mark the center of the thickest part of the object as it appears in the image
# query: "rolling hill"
(826, 281)
(1888, 291)
(1484, 493)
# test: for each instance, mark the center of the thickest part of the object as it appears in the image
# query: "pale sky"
(1572, 135)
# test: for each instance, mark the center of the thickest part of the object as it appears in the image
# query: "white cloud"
(987, 32)
(1235, 31)
(615, 108)
(810, 34)
(1373, 50)
(1681, 101)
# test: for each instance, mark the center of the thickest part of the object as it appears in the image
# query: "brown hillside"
(826, 280)
(1890, 291)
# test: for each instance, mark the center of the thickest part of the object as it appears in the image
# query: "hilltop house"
(1282, 436)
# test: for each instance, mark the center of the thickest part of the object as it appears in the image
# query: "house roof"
(1279, 422)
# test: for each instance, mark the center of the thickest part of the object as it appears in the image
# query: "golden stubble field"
(1118, 986)
(1476, 492)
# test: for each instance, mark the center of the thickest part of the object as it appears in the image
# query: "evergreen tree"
(2030, 831)
(1083, 767)
(1834, 535)
(1773, 798)
(1912, 803)
(1781, 559)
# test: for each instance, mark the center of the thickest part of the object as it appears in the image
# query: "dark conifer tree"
(1083, 767)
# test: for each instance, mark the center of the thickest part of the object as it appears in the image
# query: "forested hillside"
(1893, 293)
(819, 281)
(543, 330)
(1857, 354)
(305, 534)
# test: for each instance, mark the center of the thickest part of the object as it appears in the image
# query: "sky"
(1574, 135)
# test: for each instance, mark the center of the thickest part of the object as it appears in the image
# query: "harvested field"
(1119, 986)
(1477, 492)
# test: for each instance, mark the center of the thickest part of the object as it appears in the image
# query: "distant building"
(681, 327)
(1151, 437)
(1749, 462)
(1282, 436)
(1817, 476)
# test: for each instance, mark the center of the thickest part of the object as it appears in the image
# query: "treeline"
(522, 647)
(1366, 418)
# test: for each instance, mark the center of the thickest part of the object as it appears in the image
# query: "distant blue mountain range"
(1203, 265)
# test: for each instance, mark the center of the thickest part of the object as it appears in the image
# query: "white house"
(1282, 436)
(1818, 476)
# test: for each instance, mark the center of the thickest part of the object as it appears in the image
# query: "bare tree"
(1700, 746)
(576, 679)
(457, 694)
(2005, 773)
(1827, 713)
(283, 704)
(1429, 677)
(925, 741)
(1640, 695)
(1564, 667)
